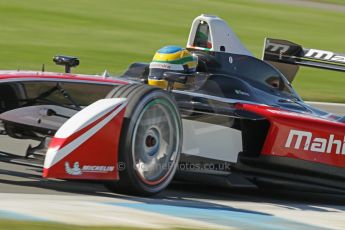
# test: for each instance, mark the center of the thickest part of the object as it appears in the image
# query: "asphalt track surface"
(25, 195)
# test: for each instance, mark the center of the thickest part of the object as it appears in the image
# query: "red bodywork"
(25, 75)
(302, 136)
(97, 156)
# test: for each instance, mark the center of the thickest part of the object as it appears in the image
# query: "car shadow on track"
(294, 200)
(26, 179)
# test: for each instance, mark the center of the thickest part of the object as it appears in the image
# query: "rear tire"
(150, 142)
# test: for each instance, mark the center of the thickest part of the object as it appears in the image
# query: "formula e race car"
(234, 121)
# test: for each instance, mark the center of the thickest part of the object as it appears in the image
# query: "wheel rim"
(155, 142)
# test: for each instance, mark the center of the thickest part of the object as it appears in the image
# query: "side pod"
(86, 145)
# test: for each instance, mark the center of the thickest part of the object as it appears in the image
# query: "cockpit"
(219, 51)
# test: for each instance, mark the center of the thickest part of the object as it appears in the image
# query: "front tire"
(150, 142)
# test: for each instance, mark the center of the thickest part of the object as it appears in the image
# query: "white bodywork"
(89, 115)
(221, 35)
(211, 141)
(103, 111)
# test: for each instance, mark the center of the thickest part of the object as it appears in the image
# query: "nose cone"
(86, 146)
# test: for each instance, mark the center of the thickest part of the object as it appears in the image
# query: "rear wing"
(287, 56)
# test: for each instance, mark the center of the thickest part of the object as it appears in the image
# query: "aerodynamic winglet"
(287, 56)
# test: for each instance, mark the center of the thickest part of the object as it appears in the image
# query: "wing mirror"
(172, 77)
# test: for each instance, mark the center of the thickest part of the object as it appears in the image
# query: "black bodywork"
(236, 77)
(222, 79)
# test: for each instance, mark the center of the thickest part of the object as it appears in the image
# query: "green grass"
(33, 225)
(338, 2)
(107, 34)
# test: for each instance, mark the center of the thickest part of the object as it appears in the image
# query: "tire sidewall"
(136, 107)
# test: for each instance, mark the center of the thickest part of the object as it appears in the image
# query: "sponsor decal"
(325, 55)
(97, 169)
(158, 65)
(307, 141)
(275, 47)
(240, 92)
(76, 170)
(73, 171)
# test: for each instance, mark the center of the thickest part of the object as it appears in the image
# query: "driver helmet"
(170, 59)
